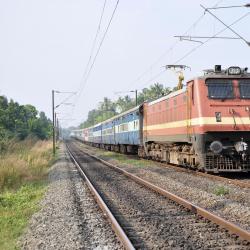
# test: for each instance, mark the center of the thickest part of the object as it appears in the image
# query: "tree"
(22, 120)
(108, 108)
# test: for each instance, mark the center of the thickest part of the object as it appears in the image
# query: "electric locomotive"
(204, 126)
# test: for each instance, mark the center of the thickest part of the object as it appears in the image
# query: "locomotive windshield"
(244, 86)
(220, 88)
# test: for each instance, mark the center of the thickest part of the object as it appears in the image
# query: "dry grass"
(24, 161)
(23, 169)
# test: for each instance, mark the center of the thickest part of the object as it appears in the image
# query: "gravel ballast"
(233, 206)
(69, 217)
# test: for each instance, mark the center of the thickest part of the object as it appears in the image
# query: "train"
(204, 125)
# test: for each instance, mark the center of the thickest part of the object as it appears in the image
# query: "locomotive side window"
(244, 86)
(220, 89)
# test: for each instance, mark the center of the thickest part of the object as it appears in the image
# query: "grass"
(23, 170)
(125, 159)
(221, 191)
(24, 161)
(15, 210)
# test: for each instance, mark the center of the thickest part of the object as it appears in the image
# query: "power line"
(92, 49)
(197, 47)
(152, 65)
(95, 57)
(237, 34)
(194, 49)
(95, 39)
(100, 45)
(98, 50)
(168, 50)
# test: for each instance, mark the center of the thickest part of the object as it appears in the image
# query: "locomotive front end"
(223, 107)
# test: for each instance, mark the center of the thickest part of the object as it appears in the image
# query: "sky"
(46, 44)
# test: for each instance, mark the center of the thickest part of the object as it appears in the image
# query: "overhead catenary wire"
(194, 49)
(236, 33)
(145, 72)
(95, 39)
(81, 87)
(99, 48)
(169, 50)
(198, 46)
(98, 29)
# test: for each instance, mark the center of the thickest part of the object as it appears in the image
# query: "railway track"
(238, 179)
(153, 218)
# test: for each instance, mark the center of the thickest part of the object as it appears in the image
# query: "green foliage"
(107, 108)
(21, 121)
(221, 191)
(15, 210)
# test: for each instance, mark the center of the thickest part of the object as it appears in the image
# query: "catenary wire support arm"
(228, 27)
(190, 38)
(229, 7)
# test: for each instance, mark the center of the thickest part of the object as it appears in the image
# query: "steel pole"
(53, 118)
(55, 128)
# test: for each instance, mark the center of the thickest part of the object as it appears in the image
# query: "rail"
(231, 227)
(115, 225)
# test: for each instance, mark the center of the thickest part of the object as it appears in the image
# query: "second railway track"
(150, 220)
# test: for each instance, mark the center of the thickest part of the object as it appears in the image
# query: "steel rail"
(210, 176)
(107, 213)
(231, 227)
(238, 183)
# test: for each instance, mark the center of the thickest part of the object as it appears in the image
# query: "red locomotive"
(204, 126)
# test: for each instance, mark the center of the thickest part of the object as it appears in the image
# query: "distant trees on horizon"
(108, 108)
(21, 121)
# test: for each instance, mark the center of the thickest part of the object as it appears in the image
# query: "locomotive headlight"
(216, 147)
(234, 71)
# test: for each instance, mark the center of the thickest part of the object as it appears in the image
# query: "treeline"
(108, 108)
(21, 121)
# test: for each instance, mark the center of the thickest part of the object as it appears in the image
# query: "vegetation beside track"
(23, 169)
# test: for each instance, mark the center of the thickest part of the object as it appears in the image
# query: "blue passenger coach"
(108, 132)
(121, 133)
(127, 128)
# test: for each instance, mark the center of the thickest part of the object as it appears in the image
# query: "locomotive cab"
(219, 119)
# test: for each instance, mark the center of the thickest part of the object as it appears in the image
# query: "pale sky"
(45, 45)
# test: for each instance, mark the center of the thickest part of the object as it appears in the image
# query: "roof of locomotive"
(172, 94)
(224, 73)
